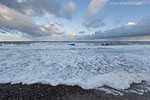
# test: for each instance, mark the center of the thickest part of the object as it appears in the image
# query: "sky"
(52, 20)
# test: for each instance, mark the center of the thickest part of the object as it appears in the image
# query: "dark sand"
(61, 92)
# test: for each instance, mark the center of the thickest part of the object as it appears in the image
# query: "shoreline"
(61, 92)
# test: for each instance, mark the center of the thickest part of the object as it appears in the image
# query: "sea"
(110, 66)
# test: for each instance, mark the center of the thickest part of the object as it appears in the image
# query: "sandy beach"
(61, 92)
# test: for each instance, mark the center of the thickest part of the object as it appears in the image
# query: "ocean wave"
(56, 63)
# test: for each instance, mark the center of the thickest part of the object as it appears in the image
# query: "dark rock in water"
(103, 44)
(72, 44)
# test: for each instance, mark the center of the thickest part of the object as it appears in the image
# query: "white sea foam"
(88, 66)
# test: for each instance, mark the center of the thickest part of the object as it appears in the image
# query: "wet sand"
(61, 92)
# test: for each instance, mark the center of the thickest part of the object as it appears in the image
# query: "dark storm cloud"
(40, 7)
(36, 7)
(140, 29)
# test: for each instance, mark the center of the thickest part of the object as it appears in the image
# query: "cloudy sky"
(74, 19)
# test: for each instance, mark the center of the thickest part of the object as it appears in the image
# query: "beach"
(61, 92)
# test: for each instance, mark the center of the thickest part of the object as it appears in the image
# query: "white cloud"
(15, 20)
(48, 15)
(93, 19)
(95, 6)
(19, 15)
(40, 7)
(73, 34)
(93, 22)
(52, 28)
(130, 24)
(69, 10)
(29, 12)
(6, 17)
(20, 1)
(72, 5)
